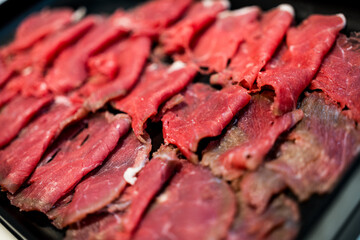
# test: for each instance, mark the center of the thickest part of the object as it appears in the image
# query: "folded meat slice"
(249, 139)
(339, 74)
(279, 221)
(319, 149)
(178, 37)
(20, 158)
(183, 211)
(292, 70)
(258, 47)
(158, 84)
(120, 218)
(17, 113)
(212, 52)
(104, 184)
(204, 112)
(76, 157)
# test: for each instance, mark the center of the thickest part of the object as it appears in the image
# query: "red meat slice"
(177, 38)
(306, 45)
(83, 153)
(279, 221)
(319, 149)
(17, 113)
(28, 148)
(204, 113)
(339, 74)
(213, 52)
(158, 84)
(183, 211)
(103, 185)
(257, 48)
(5, 73)
(129, 56)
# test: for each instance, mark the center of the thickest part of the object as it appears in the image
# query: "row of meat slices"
(64, 154)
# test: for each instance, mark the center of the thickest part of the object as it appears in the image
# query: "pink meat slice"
(319, 149)
(158, 84)
(212, 52)
(69, 70)
(205, 112)
(339, 74)
(83, 153)
(17, 113)
(178, 37)
(97, 93)
(292, 71)
(103, 185)
(257, 48)
(183, 211)
(31, 144)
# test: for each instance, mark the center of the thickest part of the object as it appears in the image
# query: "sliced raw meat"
(5, 73)
(83, 153)
(319, 149)
(17, 113)
(98, 93)
(30, 145)
(213, 52)
(69, 70)
(204, 113)
(292, 71)
(103, 185)
(158, 84)
(279, 221)
(183, 211)
(257, 48)
(200, 15)
(339, 74)
(6, 95)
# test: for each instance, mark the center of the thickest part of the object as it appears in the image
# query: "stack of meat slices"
(78, 95)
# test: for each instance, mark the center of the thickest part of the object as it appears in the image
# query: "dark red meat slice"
(339, 74)
(83, 153)
(5, 73)
(292, 71)
(279, 221)
(103, 185)
(97, 93)
(183, 211)
(319, 149)
(177, 38)
(257, 48)
(204, 113)
(158, 84)
(213, 52)
(28, 148)
(17, 113)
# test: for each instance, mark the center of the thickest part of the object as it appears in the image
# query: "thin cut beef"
(5, 73)
(32, 142)
(339, 74)
(177, 38)
(319, 149)
(212, 52)
(104, 184)
(17, 113)
(83, 153)
(257, 48)
(195, 205)
(246, 143)
(279, 221)
(204, 113)
(129, 56)
(292, 70)
(158, 84)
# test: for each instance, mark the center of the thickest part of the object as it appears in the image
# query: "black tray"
(331, 216)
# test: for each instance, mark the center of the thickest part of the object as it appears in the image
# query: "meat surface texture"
(83, 153)
(339, 74)
(204, 113)
(297, 62)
